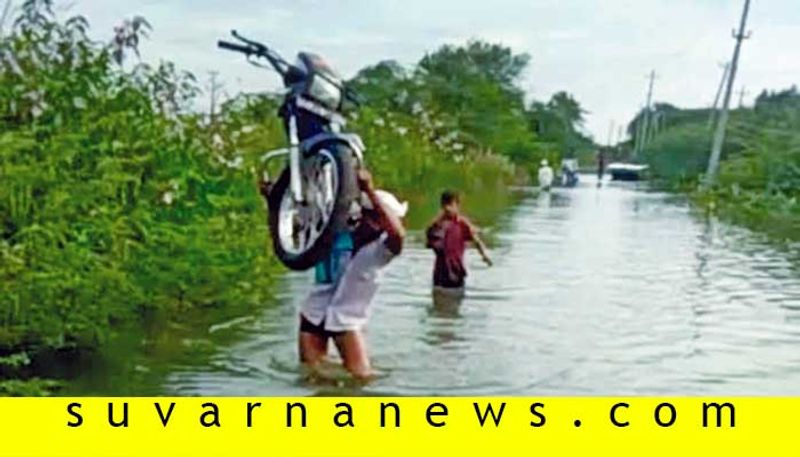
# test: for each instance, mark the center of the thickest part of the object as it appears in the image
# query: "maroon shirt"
(448, 238)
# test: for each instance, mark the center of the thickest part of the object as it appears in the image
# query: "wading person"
(545, 175)
(448, 236)
(601, 167)
(337, 308)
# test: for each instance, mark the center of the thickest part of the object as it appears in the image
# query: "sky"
(600, 51)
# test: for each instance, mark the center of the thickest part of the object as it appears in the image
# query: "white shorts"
(344, 305)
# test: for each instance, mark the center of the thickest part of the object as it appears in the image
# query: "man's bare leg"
(313, 348)
(353, 349)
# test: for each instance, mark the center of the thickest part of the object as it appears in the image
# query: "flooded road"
(603, 291)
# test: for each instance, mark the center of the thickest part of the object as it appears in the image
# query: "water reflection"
(447, 302)
(444, 314)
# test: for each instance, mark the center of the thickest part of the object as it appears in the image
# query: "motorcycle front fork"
(295, 167)
(296, 183)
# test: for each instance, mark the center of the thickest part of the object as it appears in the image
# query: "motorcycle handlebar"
(286, 70)
(235, 47)
(254, 48)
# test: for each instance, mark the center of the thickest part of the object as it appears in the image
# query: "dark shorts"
(307, 326)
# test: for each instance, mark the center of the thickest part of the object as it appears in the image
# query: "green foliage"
(759, 178)
(680, 154)
(558, 124)
(465, 101)
(113, 201)
(456, 120)
(472, 89)
(119, 202)
(28, 388)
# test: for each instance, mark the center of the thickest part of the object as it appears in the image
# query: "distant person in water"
(337, 307)
(448, 236)
(601, 167)
(545, 175)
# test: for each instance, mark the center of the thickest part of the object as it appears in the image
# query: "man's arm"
(480, 245)
(264, 189)
(391, 224)
(434, 235)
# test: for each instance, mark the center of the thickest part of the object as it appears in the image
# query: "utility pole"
(742, 94)
(637, 141)
(658, 120)
(215, 92)
(719, 135)
(646, 127)
(726, 69)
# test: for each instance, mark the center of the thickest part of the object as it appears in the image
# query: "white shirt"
(344, 305)
(545, 176)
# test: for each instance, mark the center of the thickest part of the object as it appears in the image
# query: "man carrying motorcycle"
(337, 307)
(312, 204)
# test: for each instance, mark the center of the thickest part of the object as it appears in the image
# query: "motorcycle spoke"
(301, 224)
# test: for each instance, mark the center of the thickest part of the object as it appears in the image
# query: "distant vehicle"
(569, 172)
(627, 171)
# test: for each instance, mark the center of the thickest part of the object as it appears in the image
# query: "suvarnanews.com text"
(385, 414)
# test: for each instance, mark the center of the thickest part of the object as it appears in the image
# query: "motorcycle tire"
(344, 162)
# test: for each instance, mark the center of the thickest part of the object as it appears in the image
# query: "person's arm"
(479, 245)
(478, 242)
(391, 224)
(429, 241)
(264, 188)
(434, 235)
(483, 251)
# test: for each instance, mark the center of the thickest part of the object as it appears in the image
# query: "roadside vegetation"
(121, 204)
(759, 179)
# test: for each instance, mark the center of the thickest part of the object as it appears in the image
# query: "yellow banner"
(397, 426)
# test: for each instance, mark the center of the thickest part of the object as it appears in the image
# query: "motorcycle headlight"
(325, 92)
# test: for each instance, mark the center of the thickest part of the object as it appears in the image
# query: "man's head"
(451, 202)
(370, 222)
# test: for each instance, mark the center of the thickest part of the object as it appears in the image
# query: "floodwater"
(611, 290)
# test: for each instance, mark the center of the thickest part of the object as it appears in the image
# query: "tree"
(384, 85)
(558, 122)
(473, 88)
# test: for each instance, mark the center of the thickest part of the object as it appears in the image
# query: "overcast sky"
(601, 51)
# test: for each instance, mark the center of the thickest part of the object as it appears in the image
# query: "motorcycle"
(312, 201)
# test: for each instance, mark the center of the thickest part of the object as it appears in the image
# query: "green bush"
(119, 202)
(113, 201)
(759, 176)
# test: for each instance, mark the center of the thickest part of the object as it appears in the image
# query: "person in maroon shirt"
(448, 236)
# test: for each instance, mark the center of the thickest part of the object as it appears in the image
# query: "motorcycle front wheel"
(302, 232)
